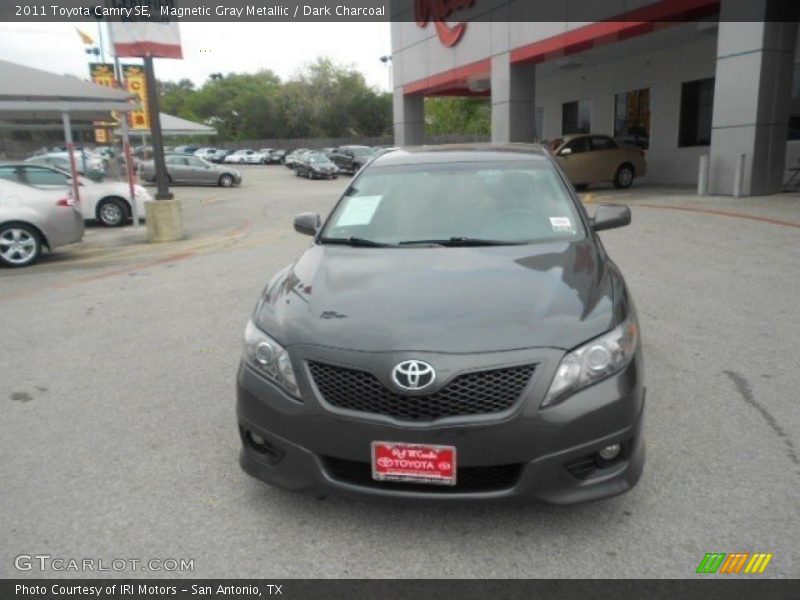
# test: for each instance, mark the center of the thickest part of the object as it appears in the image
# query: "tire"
(624, 176)
(112, 212)
(310, 174)
(20, 245)
(225, 180)
(297, 172)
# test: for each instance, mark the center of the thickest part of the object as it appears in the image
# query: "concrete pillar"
(409, 118)
(751, 103)
(164, 221)
(513, 101)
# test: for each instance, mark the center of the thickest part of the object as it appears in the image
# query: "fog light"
(610, 452)
(257, 439)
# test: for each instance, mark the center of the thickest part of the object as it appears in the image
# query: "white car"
(206, 153)
(249, 157)
(105, 201)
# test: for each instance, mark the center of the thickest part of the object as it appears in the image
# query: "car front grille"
(468, 479)
(476, 393)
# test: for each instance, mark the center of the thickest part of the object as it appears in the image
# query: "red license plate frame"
(414, 463)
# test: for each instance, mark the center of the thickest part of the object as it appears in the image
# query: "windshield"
(505, 202)
(317, 158)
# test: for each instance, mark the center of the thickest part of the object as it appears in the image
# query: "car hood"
(457, 300)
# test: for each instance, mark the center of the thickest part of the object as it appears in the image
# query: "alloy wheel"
(18, 246)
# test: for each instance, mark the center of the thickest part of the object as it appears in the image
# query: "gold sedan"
(593, 158)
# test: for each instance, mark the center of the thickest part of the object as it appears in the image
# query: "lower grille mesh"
(468, 479)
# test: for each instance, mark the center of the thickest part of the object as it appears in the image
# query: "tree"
(322, 100)
(458, 115)
(173, 96)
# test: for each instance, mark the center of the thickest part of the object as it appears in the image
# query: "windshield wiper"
(354, 241)
(461, 241)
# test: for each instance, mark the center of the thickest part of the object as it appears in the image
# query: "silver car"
(31, 219)
(182, 168)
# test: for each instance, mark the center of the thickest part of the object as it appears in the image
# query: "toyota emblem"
(413, 375)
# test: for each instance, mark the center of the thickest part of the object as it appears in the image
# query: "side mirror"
(565, 152)
(307, 223)
(611, 216)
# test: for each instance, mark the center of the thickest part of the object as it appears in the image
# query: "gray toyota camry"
(455, 331)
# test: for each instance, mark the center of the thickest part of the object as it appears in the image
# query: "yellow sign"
(102, 74)
(137, 84)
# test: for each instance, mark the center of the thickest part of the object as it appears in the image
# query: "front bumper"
(525, 453)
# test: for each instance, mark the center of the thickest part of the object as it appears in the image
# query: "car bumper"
(527, 454)
(66, 228)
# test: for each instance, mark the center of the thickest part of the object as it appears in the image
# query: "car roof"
(28, 164)
(482, 152)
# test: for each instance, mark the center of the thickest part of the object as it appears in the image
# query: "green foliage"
(458, 115)
(324, 100)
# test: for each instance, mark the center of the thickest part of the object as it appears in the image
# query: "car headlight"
(269, 358)
(594, 361)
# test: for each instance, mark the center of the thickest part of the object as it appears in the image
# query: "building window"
(576, 117)
(632, 118)
(697, 106)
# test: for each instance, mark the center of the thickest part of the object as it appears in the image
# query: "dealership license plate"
(413, 463)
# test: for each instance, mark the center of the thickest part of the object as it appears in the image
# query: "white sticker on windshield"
(359, 210)
(561, 225)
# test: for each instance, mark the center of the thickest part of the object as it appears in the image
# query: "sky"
(214, 47)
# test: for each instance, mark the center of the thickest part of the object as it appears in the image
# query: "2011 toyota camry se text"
(456, 330)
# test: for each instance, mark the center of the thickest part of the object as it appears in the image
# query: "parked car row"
(39, 210)
(348, 159)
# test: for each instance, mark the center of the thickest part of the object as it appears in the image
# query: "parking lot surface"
(119, 439)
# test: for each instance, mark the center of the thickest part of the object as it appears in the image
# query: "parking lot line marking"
(724, 213)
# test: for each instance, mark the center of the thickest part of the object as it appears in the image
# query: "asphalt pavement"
(118, 431)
